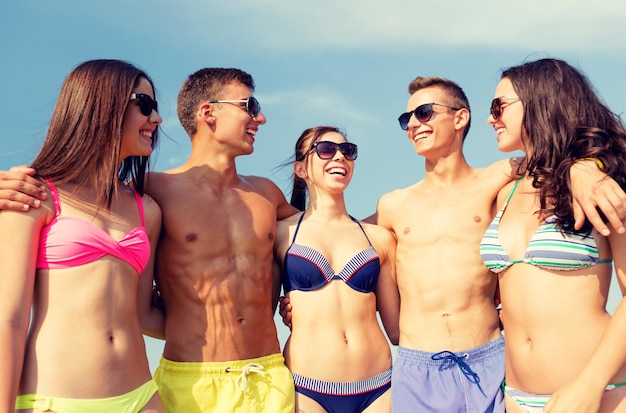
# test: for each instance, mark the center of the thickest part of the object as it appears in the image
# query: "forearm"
(594, 190)
(150, 310)
(12, 343)
(153, 323)
(610, 354)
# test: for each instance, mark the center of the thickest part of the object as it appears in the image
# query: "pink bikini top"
(68, 242)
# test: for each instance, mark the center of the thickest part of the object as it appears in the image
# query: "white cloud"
(322, 101)
(402, 24)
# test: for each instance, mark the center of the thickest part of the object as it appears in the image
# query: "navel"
(191, 237)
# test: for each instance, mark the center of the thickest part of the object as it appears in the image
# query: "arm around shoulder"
(19, 190)
(592, 189)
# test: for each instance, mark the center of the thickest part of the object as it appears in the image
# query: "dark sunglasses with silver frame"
(253, 107)
(327, 149)
(145, 102)
(423, 113)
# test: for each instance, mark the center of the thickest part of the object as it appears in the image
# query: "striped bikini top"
(305, 269)
(549, 248)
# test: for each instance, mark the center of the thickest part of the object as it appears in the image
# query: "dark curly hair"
(564, 120)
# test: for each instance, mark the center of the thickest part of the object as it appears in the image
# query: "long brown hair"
(85, 133)
(564, 120)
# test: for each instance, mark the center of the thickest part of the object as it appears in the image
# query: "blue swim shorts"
(466, 381)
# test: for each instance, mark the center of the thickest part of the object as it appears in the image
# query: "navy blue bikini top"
(305, 269)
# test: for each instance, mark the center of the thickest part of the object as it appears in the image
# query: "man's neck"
(447, 170)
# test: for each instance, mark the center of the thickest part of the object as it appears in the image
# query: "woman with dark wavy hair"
(564, 352)
(77, 272)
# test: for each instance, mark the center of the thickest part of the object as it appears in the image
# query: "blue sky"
(345, 63)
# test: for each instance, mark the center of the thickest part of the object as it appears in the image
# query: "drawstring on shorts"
(242, 380)
(471, 375)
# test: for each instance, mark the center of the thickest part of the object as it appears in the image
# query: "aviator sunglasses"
(496, 106)
(145, 102)
(327, 149)
(423, 113)
(253, 107)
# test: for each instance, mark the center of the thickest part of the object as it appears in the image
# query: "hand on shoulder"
(19, 190)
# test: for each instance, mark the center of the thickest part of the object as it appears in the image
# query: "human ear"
(205, 111)
(461, 118)
(299, 169)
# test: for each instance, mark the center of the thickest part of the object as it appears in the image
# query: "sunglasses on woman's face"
(423, 113)
(496, 106)
(327, 150)
(253, 107)
(145, 102)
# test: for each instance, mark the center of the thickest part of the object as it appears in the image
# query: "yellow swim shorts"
(131, 402)
(261, 384)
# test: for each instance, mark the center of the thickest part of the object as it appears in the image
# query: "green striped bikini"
(549, 248)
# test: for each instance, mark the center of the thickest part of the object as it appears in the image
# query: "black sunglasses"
(253, 107)
(423, 113)
(326, 149)
(496, 106)
(145, 102)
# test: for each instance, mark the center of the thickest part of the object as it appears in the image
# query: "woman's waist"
(553, 325)
(96, 371)
(85, 345)
(541, 362)
(547, 376)
(338, 364)
(349, 335)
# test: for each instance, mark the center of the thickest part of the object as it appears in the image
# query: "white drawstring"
(242, 380)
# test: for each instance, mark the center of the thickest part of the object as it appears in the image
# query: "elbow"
(394, 339)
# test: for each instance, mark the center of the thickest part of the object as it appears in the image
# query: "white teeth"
(419, 136)
(250, 132)
(146, 133)
(499, 131)
(337, 171)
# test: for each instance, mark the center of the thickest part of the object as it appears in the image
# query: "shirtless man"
(451, 352)
(215, 257)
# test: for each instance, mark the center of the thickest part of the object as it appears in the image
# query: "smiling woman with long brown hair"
(563, 351)
(77, 272)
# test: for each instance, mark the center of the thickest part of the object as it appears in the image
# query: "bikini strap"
(513, 190)
(55, 196)
(360, 226)
(140, 206)
(297, 228)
